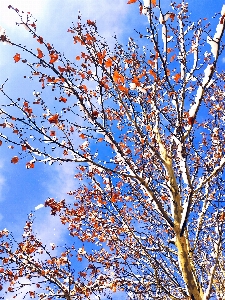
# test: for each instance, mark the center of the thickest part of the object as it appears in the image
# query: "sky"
(22, 190)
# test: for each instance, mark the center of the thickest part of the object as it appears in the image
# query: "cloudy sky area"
(21, 190)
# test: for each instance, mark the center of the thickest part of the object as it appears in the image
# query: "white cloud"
(8, 16)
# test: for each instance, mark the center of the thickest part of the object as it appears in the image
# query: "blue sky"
(21, 190)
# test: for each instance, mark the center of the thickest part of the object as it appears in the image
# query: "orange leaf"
(82, 136)
(79, 258)
(15, 160)
(62, 99)
(177, 77)
(40, 40)
(118, 78)
(89, 22)
(16, 57)
(152, 63)
(108, 63)
(101, 56)
(53, 57)
(153, 3)
(172, 16)
(152, 73)
(169, 50)
(136, 81)
(52, 133)
(40, 53)
(123, 89)
(131, 1)
(29, 165)
(90, 37)
(172, 57)
(53, 119)
(61, 69)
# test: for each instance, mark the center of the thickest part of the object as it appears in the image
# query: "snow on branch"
(217, 169)
(215, 41)
(213, 268)
(209, 70)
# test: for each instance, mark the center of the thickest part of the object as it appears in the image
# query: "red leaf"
(40, 40)
(53, 119)
(62, 99)
(29, 165)
(16, 57)
(95, 114)
(49, 47)
(0, 142)
(53, 57)
(15, 160)
(52, 133)
(40, 53)
(61, 69)
(191, 120)
(89, 22)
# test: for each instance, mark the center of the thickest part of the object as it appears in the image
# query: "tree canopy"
(145, 125)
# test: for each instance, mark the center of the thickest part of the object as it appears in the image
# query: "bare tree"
(146, 128)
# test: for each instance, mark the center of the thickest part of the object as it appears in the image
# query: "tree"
(146, 130)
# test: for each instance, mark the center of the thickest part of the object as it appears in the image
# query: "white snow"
(39, 206)
(214, 41)
(146, 4)
(132, 86)
(2, 31)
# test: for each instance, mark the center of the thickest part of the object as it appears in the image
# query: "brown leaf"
(15, 160)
